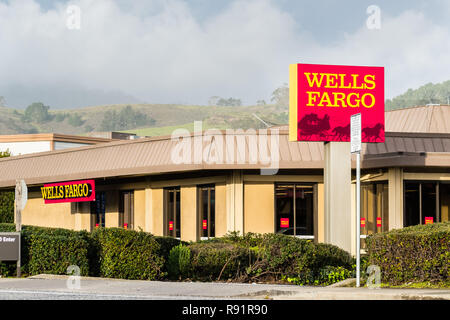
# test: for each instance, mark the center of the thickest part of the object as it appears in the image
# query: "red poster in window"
(363, 222)
(378, 222)
(170, 225)
(429, 220)
(205, 225)
(284, 223)
(322, 98)
(125, 225)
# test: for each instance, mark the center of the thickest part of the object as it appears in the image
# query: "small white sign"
(355, 133)
(21, 194)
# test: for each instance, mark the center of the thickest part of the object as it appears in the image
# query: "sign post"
(21, 198)
(355, 145)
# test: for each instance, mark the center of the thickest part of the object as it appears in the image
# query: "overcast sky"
(177, 51)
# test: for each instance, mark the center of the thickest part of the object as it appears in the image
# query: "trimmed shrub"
(54, 253)
(128, 254)
(218, 261)
(278, 257)
(179, 262)
(413, 254)
(166, 244)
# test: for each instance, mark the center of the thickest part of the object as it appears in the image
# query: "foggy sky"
(187, 51)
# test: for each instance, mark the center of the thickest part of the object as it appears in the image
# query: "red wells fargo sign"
(323, 97)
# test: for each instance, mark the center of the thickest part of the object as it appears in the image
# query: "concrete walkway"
(44, 287)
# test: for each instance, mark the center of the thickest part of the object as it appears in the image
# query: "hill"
(144, 119)
(429, 93)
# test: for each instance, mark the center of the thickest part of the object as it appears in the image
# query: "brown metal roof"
(154, 155)
(52, 137)
(431, 118)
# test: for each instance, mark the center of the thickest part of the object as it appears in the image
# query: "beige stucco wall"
(139, 209)
(221, 210)
(157, 211)
(319, 223)
(259, 207)
(112, 208)
(56, 215)
(188, 207)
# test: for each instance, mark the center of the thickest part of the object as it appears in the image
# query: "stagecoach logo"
(73, 191)
(323, 97)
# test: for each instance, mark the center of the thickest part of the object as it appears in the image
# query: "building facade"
(205, 184)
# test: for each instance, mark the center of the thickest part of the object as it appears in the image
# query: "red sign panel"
(322, 98)
(72, 191)
(284, 223)
(170, 225)
(205, 225)
(429, 220)
(378, 222)
(363, 222)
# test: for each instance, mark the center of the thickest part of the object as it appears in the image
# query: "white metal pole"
(358, 218)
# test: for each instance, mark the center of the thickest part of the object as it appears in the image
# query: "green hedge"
(217, 261)
(54, 253)
(413, 254)
(128, 254)
(267, 258)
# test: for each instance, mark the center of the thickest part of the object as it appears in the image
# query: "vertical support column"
(148, 211)
(189, 220)
(395, 176)
(235, 202)
(337, 185)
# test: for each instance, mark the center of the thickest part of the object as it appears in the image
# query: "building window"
(207, 211)
(126, 210)
(294, 209)
(172, 212)
(374, 208)
(425, 202)
(98, 208)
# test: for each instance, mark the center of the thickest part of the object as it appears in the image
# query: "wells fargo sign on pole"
(323, 97)
(73, 191)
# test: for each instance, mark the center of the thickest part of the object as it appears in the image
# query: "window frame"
(166, 198)
(200, 208)
(313, 211)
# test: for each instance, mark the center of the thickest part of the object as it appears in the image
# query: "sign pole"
(355, 146)
(358, 218)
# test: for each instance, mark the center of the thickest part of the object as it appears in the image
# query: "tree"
(280, 96)
(261, 102)
(6, 200)
(75, 120)
(229, 102)
(37, 112)
(125, 119)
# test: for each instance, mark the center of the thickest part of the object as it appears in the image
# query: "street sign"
(21, 194)
(9, 246)
(355, 133)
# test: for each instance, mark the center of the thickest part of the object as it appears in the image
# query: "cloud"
(159, 52)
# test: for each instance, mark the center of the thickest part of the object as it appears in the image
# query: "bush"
(218, 261)
(128, 254)
(54, 253)
(179, 262)
(277, 257)
(413, 254)
(6, 207)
